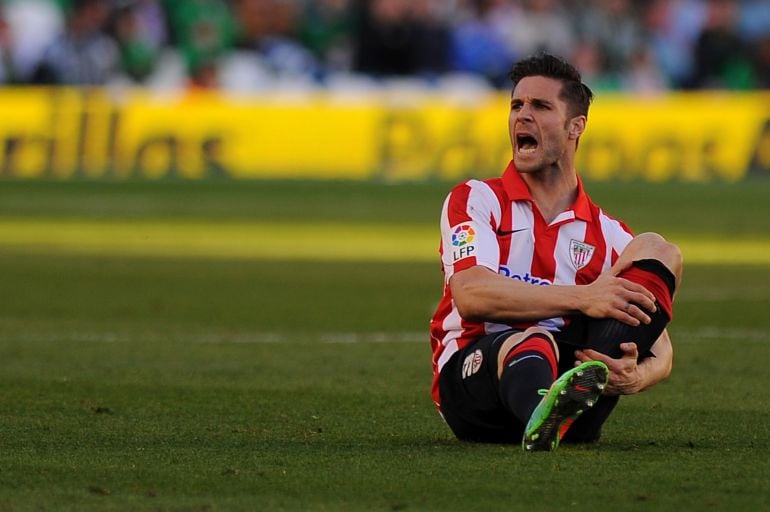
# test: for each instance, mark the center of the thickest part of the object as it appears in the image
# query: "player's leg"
(574, 393)
(657, 265)
(653, 246)
(490, 388)
(529, 389)
(527, 363)
(469, 391)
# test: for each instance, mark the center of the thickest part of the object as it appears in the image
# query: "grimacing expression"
(540, 126)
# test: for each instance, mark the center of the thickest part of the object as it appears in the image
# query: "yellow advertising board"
(61, 133)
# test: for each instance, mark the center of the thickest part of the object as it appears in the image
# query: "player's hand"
(614, 297)
(624, 377)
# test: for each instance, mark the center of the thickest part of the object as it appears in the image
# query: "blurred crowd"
(248, 45)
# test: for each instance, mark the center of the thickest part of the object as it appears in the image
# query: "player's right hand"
(615, 297)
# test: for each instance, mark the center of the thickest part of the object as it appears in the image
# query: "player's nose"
(525, 112)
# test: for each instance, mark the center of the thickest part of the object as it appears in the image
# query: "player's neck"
(554, 190)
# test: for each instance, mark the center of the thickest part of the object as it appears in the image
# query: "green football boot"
(576, 391)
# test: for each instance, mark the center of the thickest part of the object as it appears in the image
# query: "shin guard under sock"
(528, 367)
(606, 334)
(657, 278)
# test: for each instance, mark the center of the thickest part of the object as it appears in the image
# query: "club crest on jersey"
(472, 363)
(580, 253)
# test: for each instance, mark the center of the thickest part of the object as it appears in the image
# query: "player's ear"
(577, 125)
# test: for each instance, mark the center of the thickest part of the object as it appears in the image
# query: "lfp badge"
(462, 240)
(463, 235)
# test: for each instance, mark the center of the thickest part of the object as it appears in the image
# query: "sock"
(606, 334)
(656, 277)
(528, 367)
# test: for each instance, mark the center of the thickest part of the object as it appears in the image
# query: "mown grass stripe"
(290, 240)
(706, 333)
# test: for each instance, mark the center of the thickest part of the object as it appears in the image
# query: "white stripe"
(452, 325)
(565, 269)
(516, 361)
(615, 237)
(565, 215)
(491, 328)
(482, 193)
(486, 238)
(523, 242)
(449, 350)
(552, 324)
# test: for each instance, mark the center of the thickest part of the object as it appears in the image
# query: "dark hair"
(574, 92)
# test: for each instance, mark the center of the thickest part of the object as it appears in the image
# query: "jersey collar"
(517, 190)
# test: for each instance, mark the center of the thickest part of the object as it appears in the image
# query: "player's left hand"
(624, 378)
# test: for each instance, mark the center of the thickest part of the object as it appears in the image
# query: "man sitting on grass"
(542, 289)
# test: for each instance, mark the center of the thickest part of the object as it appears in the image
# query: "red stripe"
(654, 283)
(614, 257)
(535, 343)
(564, 427)
(457, 209)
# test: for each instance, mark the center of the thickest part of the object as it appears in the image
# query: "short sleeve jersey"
(495, 223)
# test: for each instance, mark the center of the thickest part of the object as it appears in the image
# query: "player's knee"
(545, 333)
(654, 246)
(541, 333)
(517, 339)
(647, 245)
(666, 252)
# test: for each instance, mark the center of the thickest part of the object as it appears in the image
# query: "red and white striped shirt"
(495, 223)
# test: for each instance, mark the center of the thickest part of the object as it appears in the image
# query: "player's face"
(539, 124)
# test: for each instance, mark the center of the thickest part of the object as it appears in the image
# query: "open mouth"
(526, 143)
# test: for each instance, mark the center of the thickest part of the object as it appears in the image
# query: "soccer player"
(551, 308)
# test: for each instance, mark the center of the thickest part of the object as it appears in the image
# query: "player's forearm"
(482, 295)
(654, 370)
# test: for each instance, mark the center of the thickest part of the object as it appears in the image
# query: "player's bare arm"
(482, 295)
(627, 377)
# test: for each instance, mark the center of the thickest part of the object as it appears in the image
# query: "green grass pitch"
(263, 346)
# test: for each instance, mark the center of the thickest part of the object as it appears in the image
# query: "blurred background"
(619, 45)
(373, 89)
(628, 45)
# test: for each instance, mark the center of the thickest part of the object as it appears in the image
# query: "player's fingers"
(630, 350)
(593, 355)
(635, 287)
(619, 267)
(581, 357)
(623, 313)
(640, 295)
(637, 313)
